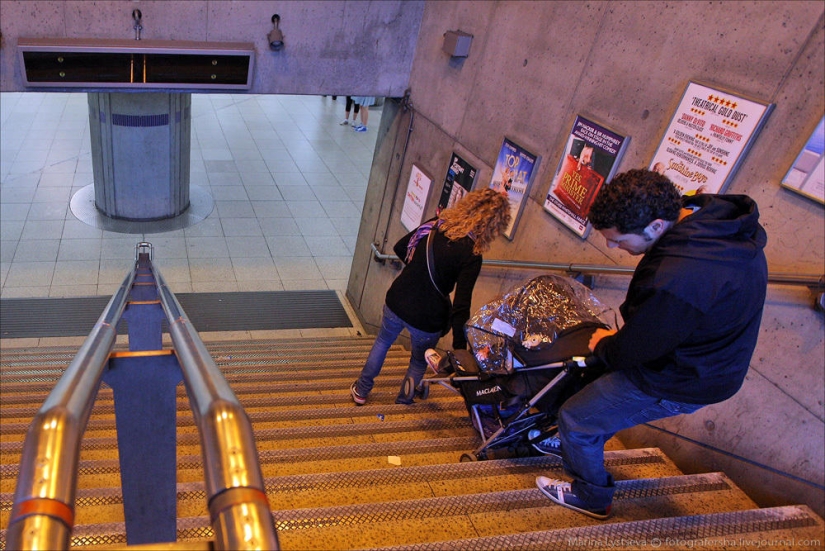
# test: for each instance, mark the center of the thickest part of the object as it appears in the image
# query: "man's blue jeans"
(391, 327)
(591, 417)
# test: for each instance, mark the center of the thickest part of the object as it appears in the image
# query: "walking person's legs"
(365, 114)
(350, 106)
(391, 327)
(420, 341)
(586, 421)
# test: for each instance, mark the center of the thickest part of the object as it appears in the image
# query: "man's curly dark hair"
(634, 199)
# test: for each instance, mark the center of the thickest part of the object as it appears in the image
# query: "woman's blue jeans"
(591, 417)
(391, 327)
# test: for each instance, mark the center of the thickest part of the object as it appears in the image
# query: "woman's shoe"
(357, 398)
(433, 358)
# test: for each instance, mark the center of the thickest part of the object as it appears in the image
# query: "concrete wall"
(532, 67)
(356, 47)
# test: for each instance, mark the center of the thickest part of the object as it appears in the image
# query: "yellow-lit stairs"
(383, 475)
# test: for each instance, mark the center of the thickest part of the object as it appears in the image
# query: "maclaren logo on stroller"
(489, 390)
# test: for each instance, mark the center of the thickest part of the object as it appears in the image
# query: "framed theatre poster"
(418, 188)
(807, 173)
(708, 138)
(460, 178)
(513, 174)
(590, 158)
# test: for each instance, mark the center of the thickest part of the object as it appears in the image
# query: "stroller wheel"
(424, 391)
(408, 389)
(468, 458)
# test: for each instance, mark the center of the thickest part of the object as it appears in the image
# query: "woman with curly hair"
(418, 300)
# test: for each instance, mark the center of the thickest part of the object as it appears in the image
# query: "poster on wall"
(513, 174)
(807, 174)
(460, 178)
(590, 158)
(418, 188)
(708, 138)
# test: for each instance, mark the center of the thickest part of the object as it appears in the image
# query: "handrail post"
(144, 382)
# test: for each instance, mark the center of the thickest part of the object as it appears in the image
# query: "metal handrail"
(42, 515)
(813, 281)
(43, 511)
(238, 507)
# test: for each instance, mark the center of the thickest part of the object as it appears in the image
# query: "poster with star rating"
(708, 138)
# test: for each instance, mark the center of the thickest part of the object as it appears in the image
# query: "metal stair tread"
(636, 458)
(372, 516)
(292, 433)
(280, 381)
(339, 410)
(738, 529)
(105, 406)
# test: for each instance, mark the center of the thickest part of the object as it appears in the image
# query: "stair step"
(437, 519)
(32, 395)
(287, 348)
(489, 513)
(105, 472)
(384, 393)
(785, 527)
(38, 386)
(380, 476)
(788, 527)
(358, 486)
(281, 412)
(291, 437)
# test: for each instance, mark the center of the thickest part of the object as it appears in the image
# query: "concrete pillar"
(140, 153)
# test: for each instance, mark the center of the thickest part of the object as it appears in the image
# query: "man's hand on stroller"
(590, 360)
(598, 335)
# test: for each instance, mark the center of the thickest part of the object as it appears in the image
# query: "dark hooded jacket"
(694, 305)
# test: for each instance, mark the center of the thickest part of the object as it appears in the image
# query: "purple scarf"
(421, 232)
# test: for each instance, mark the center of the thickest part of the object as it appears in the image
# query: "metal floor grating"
(243, 311)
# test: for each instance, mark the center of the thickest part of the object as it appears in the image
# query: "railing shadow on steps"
(143, 381)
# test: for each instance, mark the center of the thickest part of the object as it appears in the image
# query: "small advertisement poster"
(513, 174)
(590, 159)
(807, 174)
(460, 178)
(707, 139)
(418, 188)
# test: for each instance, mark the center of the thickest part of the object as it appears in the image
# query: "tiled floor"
(288, 184)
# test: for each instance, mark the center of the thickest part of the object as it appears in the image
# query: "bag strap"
(431, 261)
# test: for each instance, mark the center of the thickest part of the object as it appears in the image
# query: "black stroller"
(528, 355)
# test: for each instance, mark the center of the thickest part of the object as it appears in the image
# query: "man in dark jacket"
(691, 320)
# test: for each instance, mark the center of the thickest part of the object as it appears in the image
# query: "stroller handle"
(582, 362)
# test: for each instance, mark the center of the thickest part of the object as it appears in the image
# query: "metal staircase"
(382, 475)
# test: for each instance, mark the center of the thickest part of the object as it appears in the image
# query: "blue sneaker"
(360, 128)
(549, 446)
(562, 493)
